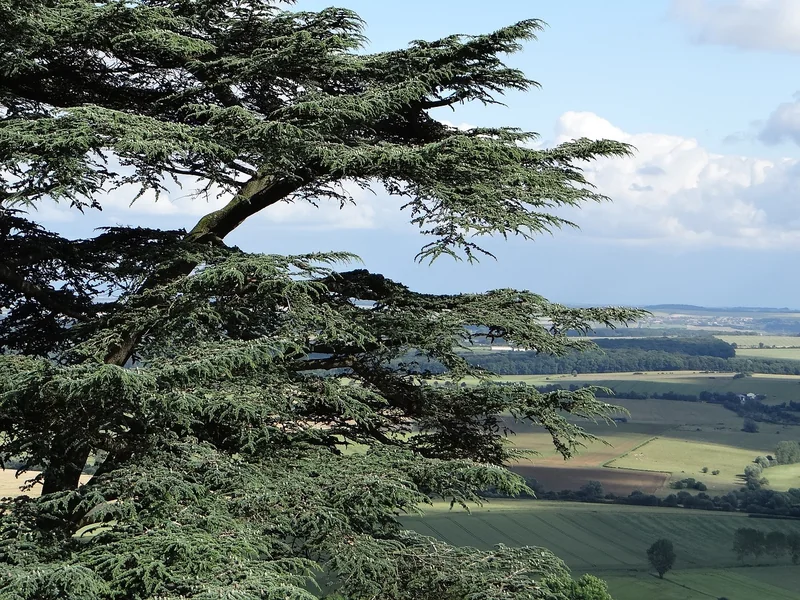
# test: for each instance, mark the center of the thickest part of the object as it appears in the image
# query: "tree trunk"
(64, 471)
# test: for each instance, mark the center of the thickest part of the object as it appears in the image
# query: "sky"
(706, 212)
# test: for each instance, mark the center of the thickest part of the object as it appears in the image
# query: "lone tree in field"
(222, 386)
(661, 556)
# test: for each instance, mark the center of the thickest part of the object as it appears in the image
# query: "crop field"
(9, 484)
(611, 542)
(617, 481)
(597, 537)
(662, 441)
(764, 583)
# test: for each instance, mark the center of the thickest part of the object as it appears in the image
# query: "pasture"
(783, 477)
(685, 458)
(611, 541)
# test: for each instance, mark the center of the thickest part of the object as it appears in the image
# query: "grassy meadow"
(611, 542)
(685, 458)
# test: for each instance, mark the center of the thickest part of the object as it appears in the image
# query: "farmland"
(662, 441)
(611, 541)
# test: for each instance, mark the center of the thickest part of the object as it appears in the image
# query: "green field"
(763, 583)
(611, 541)
(759, 353)
(783, 477)
(753, 341)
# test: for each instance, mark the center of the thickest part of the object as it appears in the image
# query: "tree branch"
(50, 299)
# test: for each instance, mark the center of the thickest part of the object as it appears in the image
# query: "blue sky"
(707, 212)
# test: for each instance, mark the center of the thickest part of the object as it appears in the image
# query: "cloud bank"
(674, 191)
(772, 25)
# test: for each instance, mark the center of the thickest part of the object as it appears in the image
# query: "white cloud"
(783, 124)
(671, 192)
(674, 191)
(748, 24)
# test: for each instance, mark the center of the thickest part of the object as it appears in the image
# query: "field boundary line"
(607, 464)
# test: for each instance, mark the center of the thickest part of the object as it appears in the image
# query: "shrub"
(715, 472)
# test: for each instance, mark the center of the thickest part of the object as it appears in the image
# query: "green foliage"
(263, 419)
(661, 556)
(787, 452)
(749, 541)
(750, 426)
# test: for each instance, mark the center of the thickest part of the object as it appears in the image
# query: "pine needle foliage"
(258, 422)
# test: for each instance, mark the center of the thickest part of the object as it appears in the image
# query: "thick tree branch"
(449, 101)
(50, 299)
(256, 195)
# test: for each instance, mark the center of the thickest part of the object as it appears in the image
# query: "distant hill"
(715, 309)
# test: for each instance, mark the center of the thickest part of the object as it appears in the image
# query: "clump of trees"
(661, 556)
(754, 543)
(787, 452)
(750, 426)
(689, 483)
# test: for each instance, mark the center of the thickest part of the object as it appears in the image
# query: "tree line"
(751, 542)
(619, 360)
(754, 501)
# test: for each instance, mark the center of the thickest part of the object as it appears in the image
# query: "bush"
(705, 469)
(750, 426)
(715, 472)
(752, 471)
